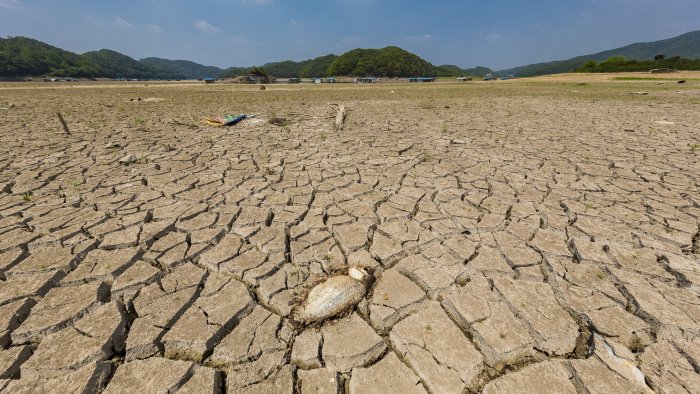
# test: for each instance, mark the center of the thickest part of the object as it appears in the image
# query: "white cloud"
(11, 5)
(293, 21)
(261, 2)
(205, 26)
(493, 36)
(121, 22)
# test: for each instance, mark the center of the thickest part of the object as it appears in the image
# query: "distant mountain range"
(686, 45)
(22, 56)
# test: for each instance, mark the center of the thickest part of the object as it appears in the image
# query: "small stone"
(128, 159)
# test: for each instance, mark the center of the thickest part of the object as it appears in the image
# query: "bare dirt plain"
(536, 235)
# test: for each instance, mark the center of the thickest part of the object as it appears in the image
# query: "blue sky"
(493, 33)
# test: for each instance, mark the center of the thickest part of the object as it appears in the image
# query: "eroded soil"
(535, 235)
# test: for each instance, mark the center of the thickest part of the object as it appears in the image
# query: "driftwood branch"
(7, 108)
(340, 117)
(63, 123)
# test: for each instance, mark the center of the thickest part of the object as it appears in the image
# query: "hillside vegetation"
(386, 62)
(26, 56)
(21, 56)
(684, 46)
(622, 64)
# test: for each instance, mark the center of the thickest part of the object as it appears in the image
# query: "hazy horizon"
(467, 33)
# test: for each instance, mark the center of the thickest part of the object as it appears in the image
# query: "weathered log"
(63, 123)
(340, 117)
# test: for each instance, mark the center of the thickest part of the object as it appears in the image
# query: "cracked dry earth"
(533, 236)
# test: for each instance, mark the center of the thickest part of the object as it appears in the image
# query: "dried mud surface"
(533, 235)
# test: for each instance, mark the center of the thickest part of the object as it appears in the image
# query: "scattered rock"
(128, 159)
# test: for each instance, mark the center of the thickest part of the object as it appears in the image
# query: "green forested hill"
(317, 67)
(289, 69)
(22, 56)
(686, 45)
(180, 69)
(386, 62)
(449, 70)
(26, 56)
(114, 64)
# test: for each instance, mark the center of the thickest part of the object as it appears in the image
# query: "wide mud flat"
(535, 235)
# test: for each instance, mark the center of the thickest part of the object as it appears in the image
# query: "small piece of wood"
(63, 123)
(340, 117)
(7, 108)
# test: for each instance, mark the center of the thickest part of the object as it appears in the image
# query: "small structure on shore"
(465, 79)
(365, 80)
(209, 79)
(662, 71)
(422, 79)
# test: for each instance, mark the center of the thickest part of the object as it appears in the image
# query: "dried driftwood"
(63, 123)
(340, 117)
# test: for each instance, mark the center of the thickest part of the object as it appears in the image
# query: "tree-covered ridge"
(26, 56)
(386, 62)
(449, 70)
(622, 64)
(21, 56)
(114, 64)
(181, 69)
(686, 45)
(310, 68)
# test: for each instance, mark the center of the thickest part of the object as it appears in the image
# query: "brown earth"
(536, 235)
